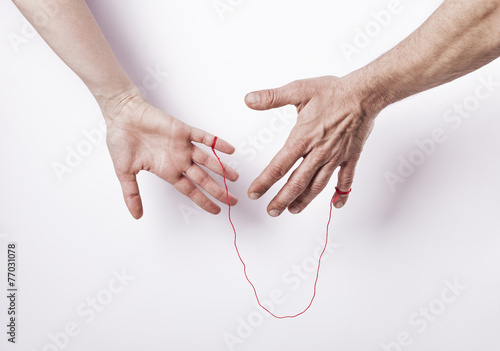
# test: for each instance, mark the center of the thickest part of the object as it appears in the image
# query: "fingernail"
(339, 204)
(274, 213)
(294, 210)
(254, 196)
(252, 98)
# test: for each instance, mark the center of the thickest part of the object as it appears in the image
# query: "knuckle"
(317, 187)
(207, 139)
(205, 182)
(201, 157)
(131, 196)
(301, 203)
(347, 180)
(296, 86)
(299, 144)
(220, 194)
(192, 192)
(355, 157)
(269, 96)
(277, 172)
(279, 204)
(206, 204)
(295, 187)
(320, 155)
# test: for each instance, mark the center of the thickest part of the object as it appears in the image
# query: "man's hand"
(331, 129)
(142, 137)
(336, 115)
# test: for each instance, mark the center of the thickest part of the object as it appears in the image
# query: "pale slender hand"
(330, 132)
(142, 137)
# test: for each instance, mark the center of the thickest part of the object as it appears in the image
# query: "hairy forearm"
(460, 37)
(75, 37)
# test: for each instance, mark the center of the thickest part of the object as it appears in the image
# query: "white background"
(392, 251)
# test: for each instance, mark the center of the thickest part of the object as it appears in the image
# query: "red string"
(342, 192)
(335, 198)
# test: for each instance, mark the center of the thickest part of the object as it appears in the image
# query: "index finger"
(277, 168)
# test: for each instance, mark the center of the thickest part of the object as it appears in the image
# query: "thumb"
(344, 183)
(131, 194)
(289, 94)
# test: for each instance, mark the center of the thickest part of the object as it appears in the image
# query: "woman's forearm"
(460, 37)
(139, 136)
(75, 37)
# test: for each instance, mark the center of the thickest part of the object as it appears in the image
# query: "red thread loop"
(342, 192)
(335, 198)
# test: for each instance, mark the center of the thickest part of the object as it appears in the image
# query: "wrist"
(116, 104)
(371, 92)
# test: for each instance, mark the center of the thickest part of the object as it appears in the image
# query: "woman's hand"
(142, 137)
(332, 127)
